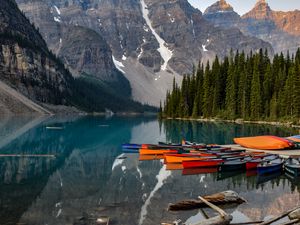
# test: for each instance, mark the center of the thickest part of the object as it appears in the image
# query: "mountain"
(281, 29)
(151, 41)
(28, 70)
(34, 80)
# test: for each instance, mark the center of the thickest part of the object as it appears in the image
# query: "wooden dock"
(281, 153)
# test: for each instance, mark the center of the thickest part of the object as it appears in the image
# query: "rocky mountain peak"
(219, 7)
(261, 10)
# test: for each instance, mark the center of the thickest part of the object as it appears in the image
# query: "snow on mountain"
(165, 53)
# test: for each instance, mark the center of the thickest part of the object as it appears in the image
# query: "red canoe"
(201, 163)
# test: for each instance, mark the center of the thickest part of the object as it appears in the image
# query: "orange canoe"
(156, 152)
(264, 143)
(150, 157)
(178, 159)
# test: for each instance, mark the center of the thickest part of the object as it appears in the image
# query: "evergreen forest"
(249, 87)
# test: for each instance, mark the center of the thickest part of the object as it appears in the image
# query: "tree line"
(250, 87)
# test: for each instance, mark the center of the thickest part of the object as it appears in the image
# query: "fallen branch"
(247, 223)
(222, 219)
(226, 197)
(284, 214)
(290, 222)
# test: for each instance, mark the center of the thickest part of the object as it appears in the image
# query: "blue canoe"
(270, 167)
(131, 146)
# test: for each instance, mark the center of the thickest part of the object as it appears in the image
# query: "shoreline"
(237, 121)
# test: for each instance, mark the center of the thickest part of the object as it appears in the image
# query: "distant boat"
(54, 128)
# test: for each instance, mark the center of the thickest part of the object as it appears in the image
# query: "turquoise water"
(83, 173)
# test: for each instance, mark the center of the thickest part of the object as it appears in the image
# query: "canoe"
(179, 158)
(252, 164)
(201, 163)
(131, 146)
(156, 151)
(270, 167)
(295, 138)
(292, 166)
(233, 165)
(195, 171)
(264, 142)
(129, 150)
(174, 167)
(150, 157)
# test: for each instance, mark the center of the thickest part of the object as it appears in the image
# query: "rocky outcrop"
(26, 64)
(281, 29)
(88, 55)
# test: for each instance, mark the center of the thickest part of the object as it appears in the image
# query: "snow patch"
(141, 53)
(161, 177)
(146, 28)
(60, 40)
(202, 179)
(58, 213)
(118, 161)
(57, 9)
(165, 53)
(172, 20)
(123, 168)
(139, 171)
(204, 48)
(119, 65)
(57, 19)
(58, 204)
(194, 34)
(124, 57)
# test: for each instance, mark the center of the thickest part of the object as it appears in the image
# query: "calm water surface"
(86, 179)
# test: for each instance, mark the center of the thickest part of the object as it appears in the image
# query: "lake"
(73, 171)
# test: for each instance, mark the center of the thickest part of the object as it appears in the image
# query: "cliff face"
(151, 41)
(25, 61)
(281, 29)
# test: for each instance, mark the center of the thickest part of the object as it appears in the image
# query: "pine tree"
(255, 98)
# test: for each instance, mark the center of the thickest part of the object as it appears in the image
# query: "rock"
(262, 22)
(294, 214)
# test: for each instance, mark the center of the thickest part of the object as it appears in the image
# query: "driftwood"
(222, 219)
(291, 222)
(284, 214)
(294, 214)
(221, 198)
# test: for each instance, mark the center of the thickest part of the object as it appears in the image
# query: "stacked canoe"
(196, 158)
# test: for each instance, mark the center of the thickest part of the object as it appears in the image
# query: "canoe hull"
(269, 168)
(232, 167)
(201, 164)
(294, 170)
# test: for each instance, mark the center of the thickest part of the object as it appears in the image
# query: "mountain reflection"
(91, 177)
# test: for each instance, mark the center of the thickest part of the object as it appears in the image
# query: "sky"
(243, 6)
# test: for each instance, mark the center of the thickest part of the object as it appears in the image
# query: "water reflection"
(91, 177)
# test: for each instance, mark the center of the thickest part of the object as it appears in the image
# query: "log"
(284, 214)
(226, 197)
(217, 220)
(222, 219)
(290, 222)
(294, 214)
